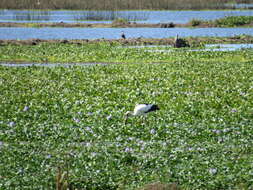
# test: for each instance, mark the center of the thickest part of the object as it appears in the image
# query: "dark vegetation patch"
(192, 41)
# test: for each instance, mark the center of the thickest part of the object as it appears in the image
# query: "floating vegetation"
(64, 126)
(232, 21)
(110, 52)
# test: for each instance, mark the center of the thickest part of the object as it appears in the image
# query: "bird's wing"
(141, 109)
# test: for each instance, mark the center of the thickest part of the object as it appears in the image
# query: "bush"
(120, 21)
(232, 21)
(195, 22)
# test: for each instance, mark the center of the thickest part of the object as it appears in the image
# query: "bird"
(176, 41)
(123, 35)
(141, 109)
(179, 42)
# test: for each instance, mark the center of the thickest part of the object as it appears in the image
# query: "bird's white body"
(141, 109)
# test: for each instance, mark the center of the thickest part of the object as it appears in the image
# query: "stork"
(141, 109)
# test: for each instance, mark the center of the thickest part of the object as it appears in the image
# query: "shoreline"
(193, 41)
(117, 25)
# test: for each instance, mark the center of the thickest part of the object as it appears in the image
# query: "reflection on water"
(208, 47)
(140, 16)
(32, 16)
(227, 47)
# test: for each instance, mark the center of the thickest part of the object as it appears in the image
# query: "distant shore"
(119, 25)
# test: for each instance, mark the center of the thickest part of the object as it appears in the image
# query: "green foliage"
(195, 22)
(120, 21)
(113, 53)
(201, 138)
(232, 21)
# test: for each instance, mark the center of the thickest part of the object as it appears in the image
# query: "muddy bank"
(93, 25)
(192, 41)
(113, 25)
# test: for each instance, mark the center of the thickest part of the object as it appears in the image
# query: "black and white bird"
(123, 35)
(141, 109)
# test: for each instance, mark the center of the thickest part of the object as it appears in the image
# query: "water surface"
(108, 16)
(114, 33)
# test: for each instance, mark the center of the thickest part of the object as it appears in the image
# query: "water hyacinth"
(26, 108)
(233, 110)
(12, 124)
(194, 136)
(109, 117)
(128, 150)
(212, 171)
(76, 120)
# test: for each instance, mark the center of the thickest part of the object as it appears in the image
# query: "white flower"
(109, 117)
(127, 149)
(152, 131)
(234, 110)
(26, 108)
(212, 171)
(12, 123)
(76, 120)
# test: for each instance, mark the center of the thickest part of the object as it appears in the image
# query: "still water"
(108, 16)
(114, 33)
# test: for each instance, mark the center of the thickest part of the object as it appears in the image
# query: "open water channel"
(108, 16)
(23, 33)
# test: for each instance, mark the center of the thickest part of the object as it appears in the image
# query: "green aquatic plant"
(195, 22)
(107, 52)
(201, 138)
(233, 21)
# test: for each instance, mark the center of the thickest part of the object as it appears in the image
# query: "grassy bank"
(228, 21)
(117, 4)
(72, 119)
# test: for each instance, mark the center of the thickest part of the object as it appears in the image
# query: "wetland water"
(114, 33)
(107, 16)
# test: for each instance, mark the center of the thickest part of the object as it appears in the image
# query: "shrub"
(120, 21)
(195, 22)
(232, 21)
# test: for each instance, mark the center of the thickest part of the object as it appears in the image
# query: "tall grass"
(111, 15)
(31, 15)
(115, 4)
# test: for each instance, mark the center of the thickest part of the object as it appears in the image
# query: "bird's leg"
(125, 119)
(143, 119)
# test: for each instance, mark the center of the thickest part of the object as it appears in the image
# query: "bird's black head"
(155, 107)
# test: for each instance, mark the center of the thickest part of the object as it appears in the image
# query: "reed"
(111, 15)
(116, 4)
